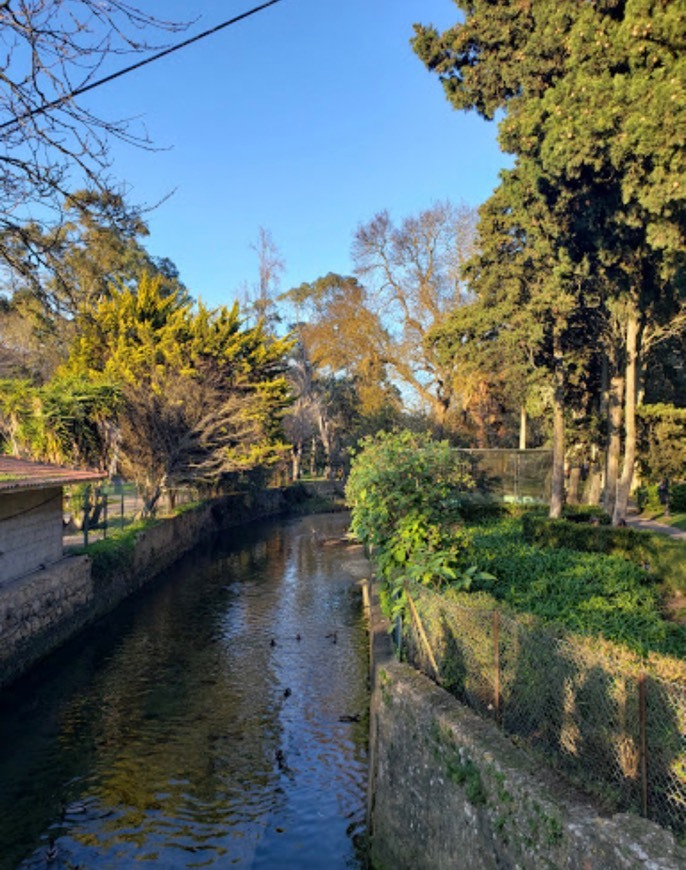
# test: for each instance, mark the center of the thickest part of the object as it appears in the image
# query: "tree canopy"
(202, 395)
(591, 99)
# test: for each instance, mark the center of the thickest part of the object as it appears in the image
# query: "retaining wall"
(41, 610)
(448, 790)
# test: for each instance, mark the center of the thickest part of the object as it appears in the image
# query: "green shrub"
(677, 498)
(406, 493)
(396, 474)
(586, 513)
(647, 498)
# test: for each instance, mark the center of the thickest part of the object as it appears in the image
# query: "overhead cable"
(82, 90)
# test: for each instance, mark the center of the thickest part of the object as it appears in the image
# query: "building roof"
(19, 474)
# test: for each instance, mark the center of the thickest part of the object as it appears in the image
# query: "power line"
(39, 110)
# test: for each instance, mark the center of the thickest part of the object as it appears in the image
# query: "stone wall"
(448, 789)
(41, 610)
(30, 531)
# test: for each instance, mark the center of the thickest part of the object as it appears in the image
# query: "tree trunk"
(313, 457)
(296, 459)
(624, 484)
(150, 502)
(574, 484)
(522, 428)
(594, 482)
(614, 442)
(326, 439)
(557, 493)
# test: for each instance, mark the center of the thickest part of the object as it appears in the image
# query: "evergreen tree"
(202, 396)
(593, 98)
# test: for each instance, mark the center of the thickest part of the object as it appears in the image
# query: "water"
(192, 728)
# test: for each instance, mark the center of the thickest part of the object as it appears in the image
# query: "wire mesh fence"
(520, 476)
(91, 513)
(614, 723)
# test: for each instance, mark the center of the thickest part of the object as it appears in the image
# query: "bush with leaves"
(405, 491)
(394, 475)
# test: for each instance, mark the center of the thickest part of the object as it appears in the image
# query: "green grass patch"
(114, 554)
(661, 557)
(589, 593)
(676, 520)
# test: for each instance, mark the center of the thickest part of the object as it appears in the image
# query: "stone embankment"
(42, 610)
(448, 790)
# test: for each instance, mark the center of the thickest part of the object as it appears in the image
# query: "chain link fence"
(518, 476)
(613, 723)
(92, 512)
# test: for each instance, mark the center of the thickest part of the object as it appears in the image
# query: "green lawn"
(589, 593)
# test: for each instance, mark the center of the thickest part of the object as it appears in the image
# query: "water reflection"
(201, 725)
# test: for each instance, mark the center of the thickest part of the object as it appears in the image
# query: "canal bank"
(41, 611)
(448, 790)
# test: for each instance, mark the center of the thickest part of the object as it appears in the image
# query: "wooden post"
(496, 667)
(104, 513)
(86, 504)
(643, 742)
(422, 634)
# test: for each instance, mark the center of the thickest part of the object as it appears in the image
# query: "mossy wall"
(447, 790)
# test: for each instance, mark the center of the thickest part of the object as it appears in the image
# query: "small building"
(31, 517)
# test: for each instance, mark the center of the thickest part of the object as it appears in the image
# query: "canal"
(217, 720)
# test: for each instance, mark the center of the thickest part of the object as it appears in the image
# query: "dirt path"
(645, 525)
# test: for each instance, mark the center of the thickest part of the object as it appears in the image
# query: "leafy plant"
(394, 475)
(406, 492)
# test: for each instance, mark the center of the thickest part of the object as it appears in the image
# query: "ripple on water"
(168, 736)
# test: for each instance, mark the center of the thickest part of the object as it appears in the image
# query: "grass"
(114, 554)
(588, 593)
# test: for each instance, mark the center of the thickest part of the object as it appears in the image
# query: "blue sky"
(305, 119)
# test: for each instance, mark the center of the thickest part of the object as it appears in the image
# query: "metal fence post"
(643, 742)
(496, 667)
(86, 504)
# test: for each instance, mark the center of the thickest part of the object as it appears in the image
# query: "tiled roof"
(18, 474)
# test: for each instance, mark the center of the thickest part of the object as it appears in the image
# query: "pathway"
(645, 525)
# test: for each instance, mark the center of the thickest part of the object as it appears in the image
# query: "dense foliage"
(580, 276)
(396, 476)
(66, 421)
(165, 392)
(202, 394)
(408, 497)
(405, 491)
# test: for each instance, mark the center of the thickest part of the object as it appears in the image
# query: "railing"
(614, 723)
(95, 512)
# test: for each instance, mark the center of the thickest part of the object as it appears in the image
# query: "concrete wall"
(30, 531)
(448, 790)
(41, 610)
